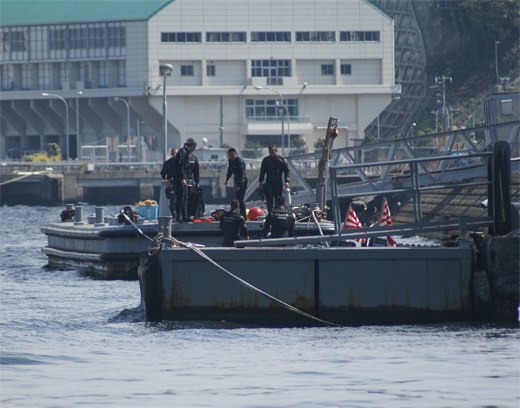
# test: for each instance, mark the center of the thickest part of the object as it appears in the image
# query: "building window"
(14, 43)
(116, 39)
(26, 76)
(266, 109)
(18, 39)
(57, 37)
(226, 37)
(273, 70)
(210, 70)
(315, 36)
(96, 40)
(7, 77)
(346, 69)
(44, 77)
(121, 73)
(271, 36)
(84, 73)
(64, 74)
(359, 36)
(39, 43)
(181, 37)
(327, 69)
(78, 40)
(102, 74)
(186, 70)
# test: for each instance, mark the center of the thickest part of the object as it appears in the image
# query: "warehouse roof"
(30, 12)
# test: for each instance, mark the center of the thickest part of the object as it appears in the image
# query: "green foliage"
(318, 144)
(225, 146)
(470, 61)
(252, 150)
(369, 139)
(298, 143)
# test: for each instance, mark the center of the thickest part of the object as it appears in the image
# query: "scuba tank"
(287, 194)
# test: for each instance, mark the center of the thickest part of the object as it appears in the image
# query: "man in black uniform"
(237, 168)
(273, 166)
(180, 171)
(280, 221)
(192, 183)
(231, 224)
(170, 191)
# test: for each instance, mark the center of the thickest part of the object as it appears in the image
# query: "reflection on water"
(68, 341)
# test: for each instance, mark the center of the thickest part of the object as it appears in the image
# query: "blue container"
(148, 211)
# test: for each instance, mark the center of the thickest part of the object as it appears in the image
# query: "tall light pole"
(288, 121)
(166, 70)
(496, 58)
(78, 138)
(66, 119)
(127, 125)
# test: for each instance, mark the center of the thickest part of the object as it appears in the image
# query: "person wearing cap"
(170, 191)
(232, 225)
(272, 168)
(280, 221)
(180, 173)
(237, 168)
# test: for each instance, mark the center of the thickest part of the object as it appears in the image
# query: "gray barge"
(307, 283)
(112, 251)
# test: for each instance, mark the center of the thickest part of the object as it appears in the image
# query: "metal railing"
(274, 119)
(377, 166)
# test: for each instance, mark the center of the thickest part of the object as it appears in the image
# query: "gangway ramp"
(449, 157)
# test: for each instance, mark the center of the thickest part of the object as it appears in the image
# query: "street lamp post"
(127, 124)
(166, 70)
(288, 120)
(66, 119)
(78, 138)
(496, 58)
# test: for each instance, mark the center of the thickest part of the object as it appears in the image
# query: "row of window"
(267, 109)
(63, 41)
(42, 74)
(273, 70)
(270, 36)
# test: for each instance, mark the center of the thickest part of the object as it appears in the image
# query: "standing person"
(170, 191)
(179, 174)
(237, 168)
(232, 224)
(280, 221)
(273, 166)
(192, 183)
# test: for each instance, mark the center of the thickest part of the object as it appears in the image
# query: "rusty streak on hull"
(353, 285)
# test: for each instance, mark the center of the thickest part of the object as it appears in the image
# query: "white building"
(325, 57)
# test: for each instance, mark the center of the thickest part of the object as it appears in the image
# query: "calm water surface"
(69, 341)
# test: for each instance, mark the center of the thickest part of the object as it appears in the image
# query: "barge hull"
(347, 286)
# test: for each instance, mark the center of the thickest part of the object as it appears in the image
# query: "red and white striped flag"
(386, 219)
(352, 221)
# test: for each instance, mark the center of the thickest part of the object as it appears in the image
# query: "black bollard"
(499, 192)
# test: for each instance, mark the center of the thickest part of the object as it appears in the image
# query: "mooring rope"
(286, 305)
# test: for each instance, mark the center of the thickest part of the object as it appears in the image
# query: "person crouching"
(232, 225)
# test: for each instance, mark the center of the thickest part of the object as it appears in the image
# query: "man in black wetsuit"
(170, 191)
(273, 166)
(237, 168)
(231, 224)
(185, 174)
(280, 221)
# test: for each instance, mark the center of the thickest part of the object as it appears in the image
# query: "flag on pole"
(386, 219)
(352, 221)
